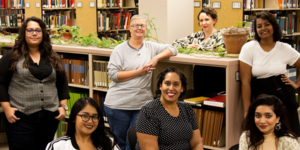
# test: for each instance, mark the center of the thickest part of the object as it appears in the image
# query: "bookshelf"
(234, 108)
(113, 18)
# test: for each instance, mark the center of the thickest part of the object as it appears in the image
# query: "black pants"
(285, 93)
(31, 132)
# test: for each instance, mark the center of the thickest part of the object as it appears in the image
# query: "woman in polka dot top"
(166, 123)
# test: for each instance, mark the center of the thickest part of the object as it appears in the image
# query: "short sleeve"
(247, 53)
(243, 144)
(294, 55)
(191, 116)
(147, 122)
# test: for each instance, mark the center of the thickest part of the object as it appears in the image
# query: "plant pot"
(67, 36)
(234, 39)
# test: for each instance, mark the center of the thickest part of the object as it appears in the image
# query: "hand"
(62, 114)
(287, 81)
(10, 114)
(145, 70)
(152, 63)
(195, 46)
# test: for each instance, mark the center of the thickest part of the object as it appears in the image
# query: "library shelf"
(79, 86)
(294, 34)
(234, 108)
(118, 8)
(270, 9)
(11, 8)
(59, 8)
(100, 89)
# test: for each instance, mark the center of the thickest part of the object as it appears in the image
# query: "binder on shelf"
(195, 100)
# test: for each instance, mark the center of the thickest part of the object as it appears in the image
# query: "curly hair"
(277, 33)
(209, 11)
(161, 78)
(100, 136)
(255, 135)
(21, 48)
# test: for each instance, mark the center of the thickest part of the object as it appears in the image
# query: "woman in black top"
(33, 88)
(166, 123)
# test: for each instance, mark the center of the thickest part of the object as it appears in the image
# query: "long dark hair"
(21, 48)
(277, 33)
(255, 135)
(161, 77)
(99, 136)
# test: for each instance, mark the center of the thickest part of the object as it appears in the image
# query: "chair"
(132, 138)
(234, 147)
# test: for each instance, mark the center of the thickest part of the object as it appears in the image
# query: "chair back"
(132, 138)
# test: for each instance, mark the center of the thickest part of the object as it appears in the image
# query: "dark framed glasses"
(31, 31)
(86, 118)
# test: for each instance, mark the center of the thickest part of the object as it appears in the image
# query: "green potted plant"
(235, 37)
(67, 32)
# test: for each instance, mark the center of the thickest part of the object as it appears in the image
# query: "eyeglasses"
(139, 25)
(31, 31)
(86, 118)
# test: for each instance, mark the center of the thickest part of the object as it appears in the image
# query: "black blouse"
(39, 71)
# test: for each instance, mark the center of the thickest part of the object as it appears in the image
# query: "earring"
(278, 126)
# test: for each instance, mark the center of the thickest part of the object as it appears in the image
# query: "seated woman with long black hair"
(86, 129)
(266, 126)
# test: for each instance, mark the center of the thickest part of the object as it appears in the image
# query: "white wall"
(174, 18)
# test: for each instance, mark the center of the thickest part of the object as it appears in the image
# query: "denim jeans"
(120, 121)
(31, 132)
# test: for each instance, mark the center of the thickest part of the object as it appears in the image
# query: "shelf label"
(27, 5)
(92, 4)
(37, 4)
(216, 5)
(236, 5)
(79, 4)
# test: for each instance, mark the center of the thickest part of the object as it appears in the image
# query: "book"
(195, 100)
(218, 101)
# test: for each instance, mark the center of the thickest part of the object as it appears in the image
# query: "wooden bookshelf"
(59, 9)
(294, 34)
(100, 89)
(79, 86)
(114, 30)
(12, 8)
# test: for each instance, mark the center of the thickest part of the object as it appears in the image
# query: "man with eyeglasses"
(130, 68)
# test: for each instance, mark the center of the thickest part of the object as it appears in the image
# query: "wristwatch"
(65, 107)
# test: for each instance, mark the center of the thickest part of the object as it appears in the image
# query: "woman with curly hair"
(266, 126)
(33, 87)
(263, 62)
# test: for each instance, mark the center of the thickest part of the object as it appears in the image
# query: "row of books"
(99, 97)
(217, 101)
(58, 4)
(11, 18)
(212, 127)
(101, 78)
(116, 3)
(11, 3)
(114, 20)
(54, 19)
(276, 4)
(76, 71)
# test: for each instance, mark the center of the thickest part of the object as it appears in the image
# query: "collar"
(133, 47)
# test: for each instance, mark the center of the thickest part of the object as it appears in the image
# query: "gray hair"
(137, 17)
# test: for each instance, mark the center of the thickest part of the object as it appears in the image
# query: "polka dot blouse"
(174, 133)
